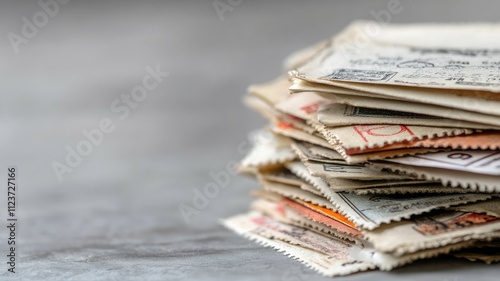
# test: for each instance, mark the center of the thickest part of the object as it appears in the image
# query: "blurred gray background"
(116, 215)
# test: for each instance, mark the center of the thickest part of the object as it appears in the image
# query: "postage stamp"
(360, 75)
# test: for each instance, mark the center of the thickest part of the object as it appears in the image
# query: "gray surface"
(116, 217)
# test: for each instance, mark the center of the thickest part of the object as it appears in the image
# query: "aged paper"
(488, 140)
(473, 161)
(485, 251)
(338, 115)
(303, 106)
(472, 181)
(432, 230)
(288, 130)
(269, 149)
(306, 246)
(332, 172)
(450, 111)
(371, 211)
(296, 193)
(490, 207)
(408, 189)
(303, 217)
(283, 176)
(304, 152)
(369, 136)
(397, 131)
(406, 66)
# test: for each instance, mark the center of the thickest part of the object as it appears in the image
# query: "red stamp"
(311, 108)
(367, 131)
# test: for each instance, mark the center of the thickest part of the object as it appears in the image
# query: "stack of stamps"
(383, 147)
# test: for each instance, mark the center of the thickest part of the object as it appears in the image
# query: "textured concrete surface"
(116, 216)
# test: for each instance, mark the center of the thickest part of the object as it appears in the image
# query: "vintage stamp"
(372, 211)
(490, 207)
(360, 75)
(432, 230)
(330, 171)
(339, 114)
(288, 215)
(368, 131)
(474, 161)
(409, 189)
(330, 257)
(295, 193)
(454, 178)
(333, 220)
(433, 227)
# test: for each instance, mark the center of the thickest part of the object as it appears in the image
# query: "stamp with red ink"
(313, 107)
(369, 132)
